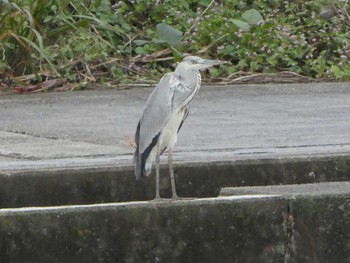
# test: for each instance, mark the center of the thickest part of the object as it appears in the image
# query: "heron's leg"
(157, 172)
(171, 171)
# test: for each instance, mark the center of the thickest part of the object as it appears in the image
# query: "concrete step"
(299, 223)
(103, 184)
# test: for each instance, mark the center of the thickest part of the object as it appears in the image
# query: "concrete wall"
(218, 230)
(224, 229)
(118, 184)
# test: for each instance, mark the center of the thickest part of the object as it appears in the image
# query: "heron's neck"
(192, 78)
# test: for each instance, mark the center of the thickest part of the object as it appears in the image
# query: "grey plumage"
(165, 110)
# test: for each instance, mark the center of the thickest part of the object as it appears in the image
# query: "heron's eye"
(194, 62)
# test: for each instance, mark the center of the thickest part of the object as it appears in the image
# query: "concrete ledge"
(243, 228)
(103, 184)
(316, 189)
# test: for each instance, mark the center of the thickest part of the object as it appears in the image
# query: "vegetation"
(111, 42)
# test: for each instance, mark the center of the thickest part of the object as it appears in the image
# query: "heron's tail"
(143, 160)
(137, 165)
(143, 166)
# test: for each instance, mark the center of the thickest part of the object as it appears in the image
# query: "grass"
(137, 41)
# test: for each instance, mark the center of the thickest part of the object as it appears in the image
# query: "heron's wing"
(157, 110)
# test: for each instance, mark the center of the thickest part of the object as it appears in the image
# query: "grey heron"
(165, 111)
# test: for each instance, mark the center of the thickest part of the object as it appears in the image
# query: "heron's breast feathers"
(183, 90)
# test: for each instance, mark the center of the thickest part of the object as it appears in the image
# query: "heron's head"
(197, 63)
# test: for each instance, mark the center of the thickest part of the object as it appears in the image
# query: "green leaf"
(229, 50)
(242, 64)
(272, 60)
(169, 34)
(140, 42)
(63, 4)
(141, 51)
(240, 24)
(40, 51)
(159, 41)
(252, 16)
(336, 71)
(204, 3)
(254, 65)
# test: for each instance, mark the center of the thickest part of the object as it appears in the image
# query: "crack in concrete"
(32, 134)
(16, 156)
(56, 138)
(24, 157)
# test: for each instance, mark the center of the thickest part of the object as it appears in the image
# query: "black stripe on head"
(146, 153)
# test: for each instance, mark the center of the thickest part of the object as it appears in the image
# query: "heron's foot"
(178, 198)
(163, 200)
(173, 198)
(159, 199)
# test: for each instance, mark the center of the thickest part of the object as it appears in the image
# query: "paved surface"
(226, 122)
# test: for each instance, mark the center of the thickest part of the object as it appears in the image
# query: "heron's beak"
(207, 63)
